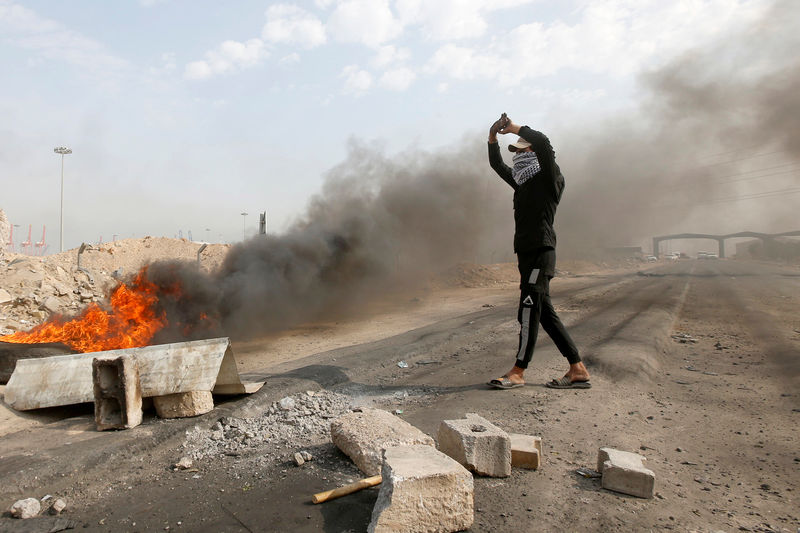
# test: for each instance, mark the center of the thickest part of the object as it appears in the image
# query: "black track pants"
(535, 307)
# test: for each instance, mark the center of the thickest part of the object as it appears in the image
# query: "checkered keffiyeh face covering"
(526, 166)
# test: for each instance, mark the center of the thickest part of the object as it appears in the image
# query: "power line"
(766, 194)
(791, 170)
(741, 159)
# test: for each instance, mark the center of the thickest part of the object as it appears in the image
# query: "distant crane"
(25, 246)
(40, 246)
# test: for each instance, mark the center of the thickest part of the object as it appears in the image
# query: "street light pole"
(244, 219)
(63, 150)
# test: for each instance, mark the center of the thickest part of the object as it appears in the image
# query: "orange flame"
(131, 322)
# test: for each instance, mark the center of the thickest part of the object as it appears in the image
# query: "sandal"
(565, 383)
(504, 383)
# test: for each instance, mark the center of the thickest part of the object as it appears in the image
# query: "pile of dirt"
(34, 288)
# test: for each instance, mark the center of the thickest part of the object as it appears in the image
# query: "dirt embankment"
(34, 288)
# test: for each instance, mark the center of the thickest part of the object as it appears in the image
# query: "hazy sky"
(182, 114)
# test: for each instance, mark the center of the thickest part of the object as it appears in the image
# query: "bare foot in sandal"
(512, 379)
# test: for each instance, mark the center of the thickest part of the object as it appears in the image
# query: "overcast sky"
(183, 113)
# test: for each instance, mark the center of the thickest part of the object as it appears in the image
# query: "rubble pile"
(293, 422)
(33, 288)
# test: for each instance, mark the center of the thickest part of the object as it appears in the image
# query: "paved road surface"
(718, 417)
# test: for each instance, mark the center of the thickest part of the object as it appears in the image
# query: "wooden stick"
(361, 484)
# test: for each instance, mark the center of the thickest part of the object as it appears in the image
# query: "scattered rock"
(287, 404)
(52, 304)
(27, 508)
(5, 297)
(183, 464)
(625, 472)
(58, 506)
(298, 459)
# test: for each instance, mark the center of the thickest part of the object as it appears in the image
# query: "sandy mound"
(33, 288)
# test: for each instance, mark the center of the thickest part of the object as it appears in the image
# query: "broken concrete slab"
(117, 392)
(625, 472)
(184, 404)
(163, 369)
(422, 490)
(363, 436)
(526, 451)
(477, 444)
(5, 297)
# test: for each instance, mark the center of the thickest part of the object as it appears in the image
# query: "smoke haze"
(716, 127)
(690, 159)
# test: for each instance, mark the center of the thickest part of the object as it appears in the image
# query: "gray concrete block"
(526, 451)
(423, 490)
(477, 444)
(184, 404)
(625, 472)
(363, 436)
(117, 392)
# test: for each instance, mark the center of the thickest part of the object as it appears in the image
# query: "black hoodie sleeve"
(497, 164)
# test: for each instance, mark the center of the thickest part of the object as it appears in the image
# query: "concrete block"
(184, 404)
(526, 451)
(477, 444)
(423, 490)
(363, 436)
(625, 472)
(117, 392)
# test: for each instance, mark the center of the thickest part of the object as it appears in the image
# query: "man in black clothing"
(538, 184)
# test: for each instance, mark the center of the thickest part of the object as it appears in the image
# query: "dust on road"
(716, 418)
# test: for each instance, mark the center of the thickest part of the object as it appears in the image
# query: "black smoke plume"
(381, 222)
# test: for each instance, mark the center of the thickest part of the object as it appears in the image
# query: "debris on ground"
(365, 435)
(58, 506)
(34, 288)
(588, 473)
(291, 421)
(420, 473)
(27, 508)
(625, 472)
(184, 463)
(683, 338)
(477, 444)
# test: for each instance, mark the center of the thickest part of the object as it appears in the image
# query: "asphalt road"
(717, 417)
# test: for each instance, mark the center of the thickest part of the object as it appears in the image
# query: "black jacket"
(536, 200)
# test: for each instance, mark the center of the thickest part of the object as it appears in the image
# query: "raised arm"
(495, 159)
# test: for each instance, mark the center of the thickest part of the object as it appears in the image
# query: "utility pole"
(63, 150)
